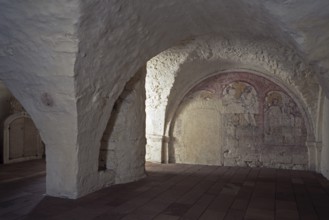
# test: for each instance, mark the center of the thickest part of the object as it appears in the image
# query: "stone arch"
(15, 126)
(122, 150)
(90, 50)
(306, 113)
(262, 97)
(133, 39)
(189, 63)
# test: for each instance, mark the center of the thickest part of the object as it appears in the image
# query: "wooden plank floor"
(180, 192)
(17, 171)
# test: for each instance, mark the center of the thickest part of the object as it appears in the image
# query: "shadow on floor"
(181, 192)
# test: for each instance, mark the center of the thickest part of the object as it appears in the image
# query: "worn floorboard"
(172, 191)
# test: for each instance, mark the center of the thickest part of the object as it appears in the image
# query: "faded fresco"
(283, 122)
(239, 119)
(240, 98)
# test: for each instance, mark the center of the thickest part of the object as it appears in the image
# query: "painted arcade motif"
(283, 122)
(242, 120)
(241, 98)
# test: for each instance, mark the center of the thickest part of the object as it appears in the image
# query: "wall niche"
(239, 119)
(22, 141)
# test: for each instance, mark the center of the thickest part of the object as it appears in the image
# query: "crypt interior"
(223, 96)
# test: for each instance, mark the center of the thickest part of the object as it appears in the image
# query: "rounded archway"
(240, 119)
(174, 72)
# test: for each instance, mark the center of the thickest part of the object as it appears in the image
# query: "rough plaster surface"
(308, 25)
(132, 33)
(268, 57)
(196, 135)
(197, 59)
(159, 80)
(239, 119)
(125, 156)
(38, 44)
(67, 62)
(123, 142)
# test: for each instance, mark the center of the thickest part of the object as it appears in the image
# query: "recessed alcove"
(240, 119)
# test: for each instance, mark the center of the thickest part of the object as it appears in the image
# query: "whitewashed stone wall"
(68, 61)
(123, 143)
(161, 74)
(196, 134)
(239, 119)
(200, 58)
(38, 46)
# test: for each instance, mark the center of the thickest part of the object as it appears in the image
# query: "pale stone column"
(159, 82)
(165, 149)
(158, 148)
(61, 169)
(38, 52)
(314, 155)
(325, 139)
(318, 156)
(125, 144)
(154, 148)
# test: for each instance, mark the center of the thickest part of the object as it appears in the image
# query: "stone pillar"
(314, 155)
(158, 148)
(38, 55)
(61, 179)
(165, 149)
(318, 156)
(325, 139)
(154, 148)
(159, 82)
(125, 146)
